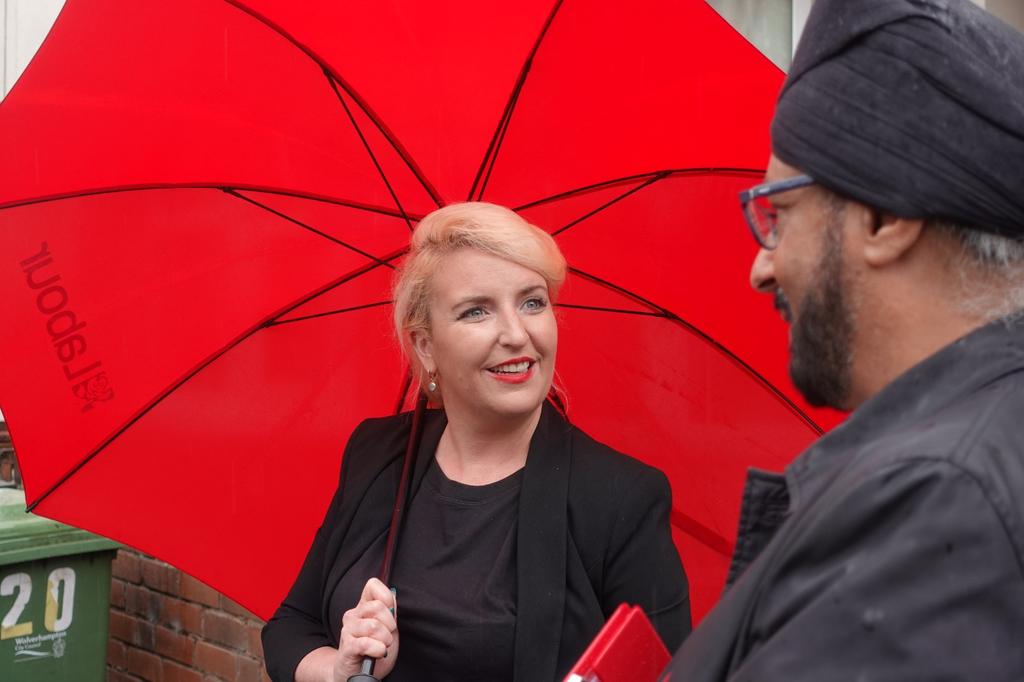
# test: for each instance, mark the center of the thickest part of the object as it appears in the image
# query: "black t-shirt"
(455, 574)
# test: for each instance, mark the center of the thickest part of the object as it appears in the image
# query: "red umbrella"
(203, 201)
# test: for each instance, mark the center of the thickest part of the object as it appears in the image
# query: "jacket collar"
(434, 423)
(960, 369)
(541, 549)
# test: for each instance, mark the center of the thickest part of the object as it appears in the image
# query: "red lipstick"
(513, 377)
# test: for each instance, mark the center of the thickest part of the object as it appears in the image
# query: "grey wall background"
(23, 25)
(774, 26)
(768, 24)
(1012, 11)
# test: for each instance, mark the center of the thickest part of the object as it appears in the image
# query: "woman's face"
(492, 337)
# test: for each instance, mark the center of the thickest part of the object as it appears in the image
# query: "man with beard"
(891, 227)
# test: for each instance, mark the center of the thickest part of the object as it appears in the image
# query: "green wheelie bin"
(54, 597)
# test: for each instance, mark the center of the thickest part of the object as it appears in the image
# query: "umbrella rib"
(322, 63)
(262, 324)
(665, 312)
(703, 534)
(391, 213)
(710, 170)
(497, 142)
(406, 385)
(407, 159)
(328, 313)
(310, 228)
(380, 210)
(611, 202)
(366, 144)
(487, 164)
(97, 191)
(602, 309)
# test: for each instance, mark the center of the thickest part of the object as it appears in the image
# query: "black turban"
(914, 107)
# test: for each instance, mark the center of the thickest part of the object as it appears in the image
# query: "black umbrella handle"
(366, 674)
(397, 514)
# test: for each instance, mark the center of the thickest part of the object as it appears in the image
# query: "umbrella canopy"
(203, 203)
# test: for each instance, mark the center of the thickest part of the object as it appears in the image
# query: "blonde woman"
(522, 534)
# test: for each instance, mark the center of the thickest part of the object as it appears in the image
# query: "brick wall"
(168, 627)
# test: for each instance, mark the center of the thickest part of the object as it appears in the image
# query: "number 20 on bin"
(60, 603)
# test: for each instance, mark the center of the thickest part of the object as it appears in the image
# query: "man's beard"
(822, 331)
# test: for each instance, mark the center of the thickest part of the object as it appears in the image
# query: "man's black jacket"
(892, 549)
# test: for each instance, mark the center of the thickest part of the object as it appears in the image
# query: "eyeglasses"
(760, 214)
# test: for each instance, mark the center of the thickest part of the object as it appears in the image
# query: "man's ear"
(888, 238)
(423, 346)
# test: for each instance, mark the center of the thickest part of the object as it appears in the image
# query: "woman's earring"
(432, 384)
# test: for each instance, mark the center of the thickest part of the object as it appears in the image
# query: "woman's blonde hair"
(488, 228)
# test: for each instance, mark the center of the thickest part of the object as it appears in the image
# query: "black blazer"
(593, 533)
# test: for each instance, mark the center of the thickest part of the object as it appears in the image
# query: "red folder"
(626, 650)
